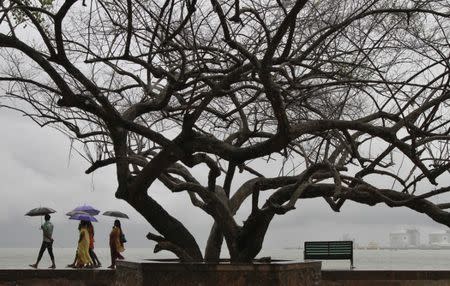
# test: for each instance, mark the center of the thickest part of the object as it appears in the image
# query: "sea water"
(409, 259)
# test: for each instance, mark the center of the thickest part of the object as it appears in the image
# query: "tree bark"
(214, 244)
(252, 236)
(168, 226)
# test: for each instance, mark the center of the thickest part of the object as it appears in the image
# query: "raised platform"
(167, 272)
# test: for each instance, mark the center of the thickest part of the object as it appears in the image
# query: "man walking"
(47, 242)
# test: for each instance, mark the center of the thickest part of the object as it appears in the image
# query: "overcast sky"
(37, 169)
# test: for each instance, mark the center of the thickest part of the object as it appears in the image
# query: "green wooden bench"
(318, 250)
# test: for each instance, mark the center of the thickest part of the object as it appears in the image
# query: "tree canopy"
(350, 97)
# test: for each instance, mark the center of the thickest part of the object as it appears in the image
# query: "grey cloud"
(36, 171)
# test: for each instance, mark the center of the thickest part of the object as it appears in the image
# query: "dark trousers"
(115, 255)
(49, 246)
(94, 256)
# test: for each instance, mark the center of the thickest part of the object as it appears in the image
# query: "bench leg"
(351, 264)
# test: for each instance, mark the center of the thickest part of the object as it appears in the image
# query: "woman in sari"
(92, 254)
(83, 258)
(115, 243)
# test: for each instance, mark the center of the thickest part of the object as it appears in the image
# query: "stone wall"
(385, 278)
(58, 277)
(200, 274)
(163, 273)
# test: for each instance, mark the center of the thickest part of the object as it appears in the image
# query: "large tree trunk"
(180, 240)
(168, 226)
(252, 236)
(214, 244)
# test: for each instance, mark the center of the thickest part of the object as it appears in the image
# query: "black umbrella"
(115, 214)
(40, 211)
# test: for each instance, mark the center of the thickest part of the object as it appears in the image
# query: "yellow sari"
(83, 248)
(114, 240)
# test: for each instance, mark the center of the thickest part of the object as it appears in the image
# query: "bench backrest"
(328, 250)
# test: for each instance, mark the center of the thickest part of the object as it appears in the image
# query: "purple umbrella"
(87, 209)
(85, 217)
(72, 213)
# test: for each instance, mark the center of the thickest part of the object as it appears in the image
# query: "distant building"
(414, 237)
(398, 240)
(439, 239)
(372, 245)
(407, 239)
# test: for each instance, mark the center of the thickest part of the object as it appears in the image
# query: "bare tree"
(339, 92)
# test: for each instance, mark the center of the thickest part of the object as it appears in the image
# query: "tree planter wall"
(173, 273)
